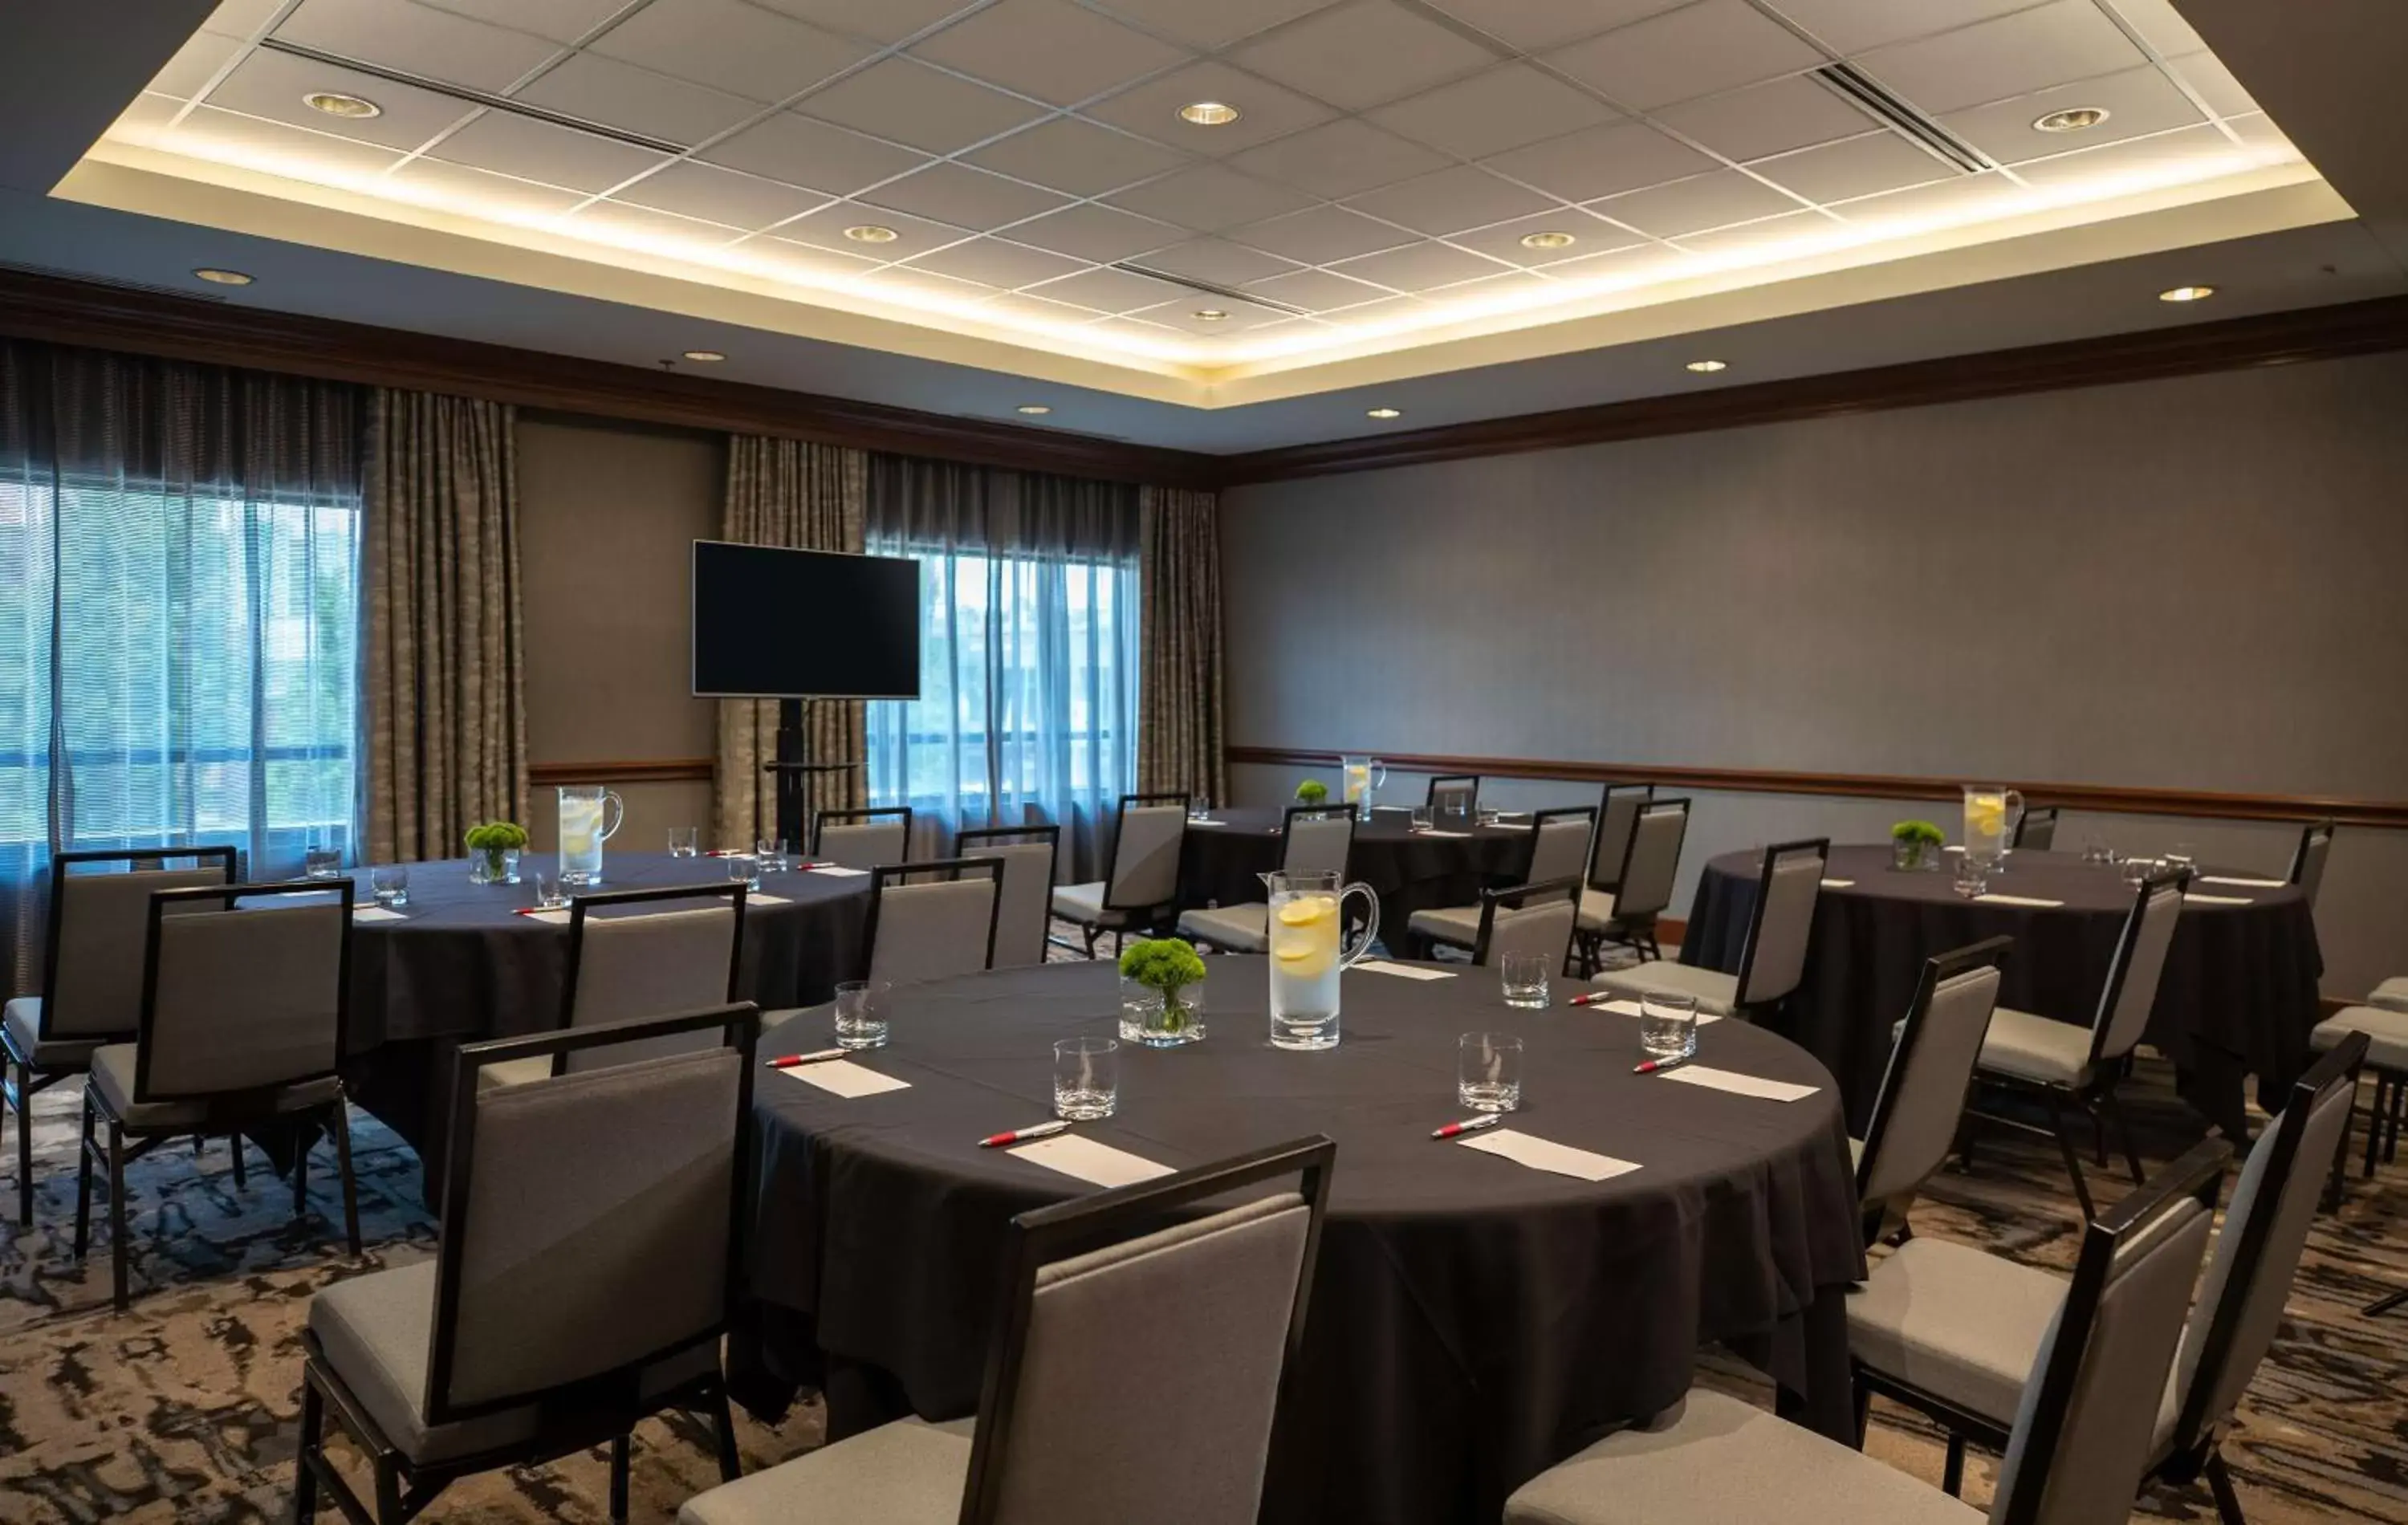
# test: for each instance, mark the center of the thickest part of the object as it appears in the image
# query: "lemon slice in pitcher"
(1306, 911)
(1302, 957)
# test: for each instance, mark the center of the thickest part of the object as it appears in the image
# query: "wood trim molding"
(2391, 815)
(545, 775)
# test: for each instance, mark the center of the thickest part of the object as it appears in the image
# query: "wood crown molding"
(545, 775)
(2391, 815)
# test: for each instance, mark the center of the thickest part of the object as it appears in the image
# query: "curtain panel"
(446, 666)
(1182, 736)
(805, 497)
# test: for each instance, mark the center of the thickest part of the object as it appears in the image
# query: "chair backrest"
(2036, 830)
(1316, 838)
(1922, 1095)
(1652, 861)
(2139, 962)
(242, 994)
(1107, 1321)
(1150, 835)
(92, 968)
(591, 1219)
(862, 839)
(1027, 854)
(1772, 959)
(2081, 1432)
(1617, 814)
(931, 920)
(1452, 793)
(1559, 841)
(2265, 1231)
(2308, 859)
(626, 962)
(1528, 918)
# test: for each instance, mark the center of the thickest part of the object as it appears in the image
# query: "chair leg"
(83, 1184)
(2382, 1306)
(342, 1130)
(2115, 1111)
(2219, 1482)
(2398, 1115)
(2073, 1167)
(23, 1097)
(301, 1182)
(619, 1480)
(388, 1492)
(241, 1181)
(731, 1466)
(1861, 1398)
(2374, 1121)
(1952, 1474)
(2097, 1133)
(305, 1478)
(118, 1251)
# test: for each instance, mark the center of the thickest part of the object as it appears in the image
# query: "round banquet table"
(1472, 1321)
(1409, 870)
(2238, 996)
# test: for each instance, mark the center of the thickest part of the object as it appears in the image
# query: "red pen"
(1021, 1135)
(1595, 998)
(1469, 1125)
(1651, 1066)
(788, 1062)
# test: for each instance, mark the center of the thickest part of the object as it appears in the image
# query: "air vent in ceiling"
(148, 288)
(1207, 288)
(473, 97)
(1870, 96)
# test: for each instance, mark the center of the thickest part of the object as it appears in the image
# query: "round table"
(1409, 870)
(1473, 1322)
(2238, 996)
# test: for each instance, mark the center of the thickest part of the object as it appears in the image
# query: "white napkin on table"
(838, 871)
(1099, 1164)
(1403, 971)
(1739, 1084)
(842, 1077)
(377, 913)
(1542, 1154)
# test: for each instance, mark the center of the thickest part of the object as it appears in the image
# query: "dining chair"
(1617, 813)
(1559, 849)
(1643, 885)
(2307, 869)
(2385, 1032)
(243, 1017)
(928, 921)
(2036, 830)
(1954, 1332)
(1313, 838)
(2392, 994)
(1454, 795)
(2080, 1437)
(1029, 854)
(1771, 960)
(1922, 1096)
(1528, 918)
(2065, 1066)
(591, 1245)
(862, 839)
(93, 952)
(1105, 1322)
(1149, 839)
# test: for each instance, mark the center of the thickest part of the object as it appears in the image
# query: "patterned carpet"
(185, 1408)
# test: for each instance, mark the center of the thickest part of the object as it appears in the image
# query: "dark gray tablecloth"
(1410, 871)
(1473, 1321)
(2238, 998)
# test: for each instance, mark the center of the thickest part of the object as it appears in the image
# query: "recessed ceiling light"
(1035, 409)
(2074, 120)
(2186, 294)
(1208, 113)
(1209, 314)
(1708, 367)
(1549, 241)
(706, 356)
(1384, 412)
(222, 277)
(870, 233)
(336, 105)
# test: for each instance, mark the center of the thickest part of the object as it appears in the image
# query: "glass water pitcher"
(589, 813)
(1359, 777)
(1307, 927)
(1991, 811)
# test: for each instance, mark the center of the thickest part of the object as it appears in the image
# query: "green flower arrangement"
(489, 841)
(1169, 965)
(1311, 792)
(1916, 844)
(1921, 832)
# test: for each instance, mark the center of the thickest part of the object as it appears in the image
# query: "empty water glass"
(2182, 855)
(1488, 814)
(319, 861)
(1489, 1071)
(773, 854)
(1199, 808)
(744, 866)
(685, 840)
(391, 886)
(1524, 976)
(861, 1014)
(1086, 1078)
(2095, 850)
(1973, 875)
(2136, 868)
(1667, 1026)
(551, 891)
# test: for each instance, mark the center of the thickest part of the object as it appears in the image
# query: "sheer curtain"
(179, 553)
(1029, 652)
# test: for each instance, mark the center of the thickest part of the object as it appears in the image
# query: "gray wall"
(2191, 583)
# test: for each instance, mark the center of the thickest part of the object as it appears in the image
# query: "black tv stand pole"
(793, 768)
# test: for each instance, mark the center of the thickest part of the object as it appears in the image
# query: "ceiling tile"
(1048, 49)
(1505, 283)
(802, 262)
(1021, 304)
(1077, 156)
(2206, 74)
(146, 119)
(1622, 268)
(1265, 110)
(1362, 53)
(1461, 197)
(1215, 24)
(2167, 158)
(965, 197)
(1792, 113)
(1851, 26)
(1340, 158)
(801, 151)
(902, 283)
(720, 195)
(1714, 44)
(218, 133)
(1504, 241)
(996, 262)
(243, 18)
(1109, 291)
(1600, 161)
(434, 44)
(458, 188)
(880, 21)
(188, 73)
(608, 218)
(1097, 232)
(620, 94)
(2138, 102)
(1418, 267)
(1218, 260)
(1505, 107)
(730, 46)
(1152, 334)
(271, 85)
(561, 21)
(1238, 316)
(1860, 166)
(1695, 205)
(1534, 25)
(1318, 291)
(2258, 130)
(825, 229)
(1387, 314)
(1209, 197)
(2160, 26)
(2033, 49)
(1319, 235)
(914, 104)
(538, 150)
(1940, 204)
(1804, 230)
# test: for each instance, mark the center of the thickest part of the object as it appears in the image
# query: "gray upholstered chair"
(1149, 837)
(92, 976)
(1922, 1095)
(1312, 838)
(1528, 918)
(2067, 1066)
(928, 921)
(1642, 888)
(2308, 859)
(1104, 1323)
(2036, 830)
(1559, 849)
(2391, 995)
(2080, 1439)
(1955, 1332)
(1772, 959)
(2385, 1031)
(1454, 798)
(862, 839)
(1029, 854)
(1617, 814)
(244, 1011)
(591, 1248)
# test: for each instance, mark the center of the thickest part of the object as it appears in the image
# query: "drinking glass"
(861, 1008)
(2095, 850)
(2137, 868)
(1200, 808)
(319, 861)
(1488, 814)
(685, 840)
(1667, 1026)
(551, 892)
(773, 854)
(1524, 976)
(2182, 855)
(391, 886)
(1489, 1071)
(1422, 819)
(1973, 874)
(1086, 1078)
(744, 865)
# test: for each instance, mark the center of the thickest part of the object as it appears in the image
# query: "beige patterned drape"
(1181, 738)
(446, 702)
(809, 498)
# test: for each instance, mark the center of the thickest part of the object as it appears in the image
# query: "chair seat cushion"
(2036, 1049)
(22, 1022)
(1716, 992)
(1596, 910)
(112, 1072)
(1456, 925)
(1236, 928)
(2386, 1034)
(908, 1472)
(1084, 904)
(514, 1071)
(2392, 994)
(1718, 1459)
(376, 1331)
(1952, 1321)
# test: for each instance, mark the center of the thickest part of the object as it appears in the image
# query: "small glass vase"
(1911, 857)
(1157, 1020)
(493, 866)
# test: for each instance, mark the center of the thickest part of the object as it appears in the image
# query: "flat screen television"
(770, 622)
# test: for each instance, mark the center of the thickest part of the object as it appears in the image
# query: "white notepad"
(377, 913)
(1839, 883)
(558, 919)
(1099, 1164)
(753, 897)
(2018, 899)
(1403, 971)
(842, 1077)
(1626, 1007)
(838, 871)
(2245, 883)
(2194, 898)
(1434, 832)
(1540, 1154)
(1199, 821)
(1737, 1084)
